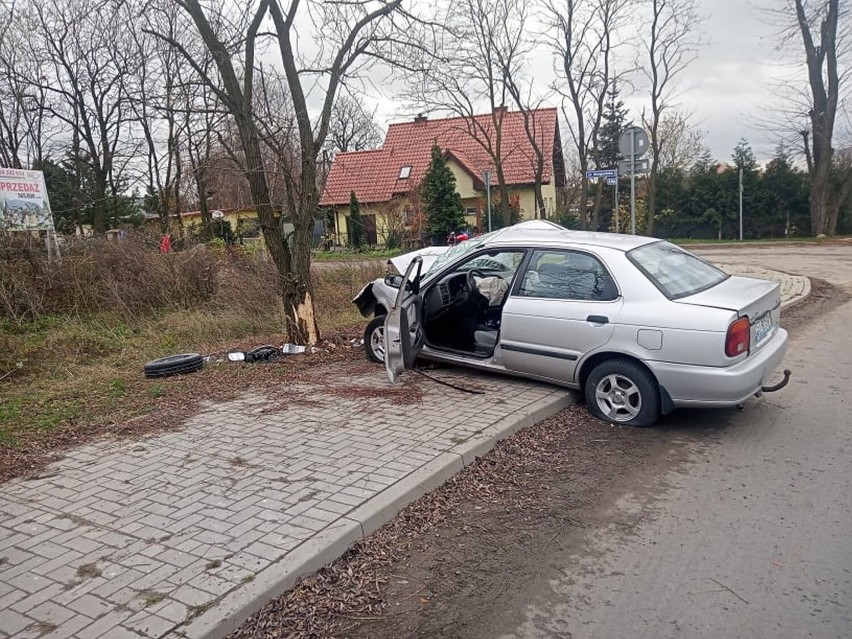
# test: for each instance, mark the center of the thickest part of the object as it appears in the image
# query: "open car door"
(404, 334)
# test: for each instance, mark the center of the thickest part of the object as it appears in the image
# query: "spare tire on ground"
(174, 365)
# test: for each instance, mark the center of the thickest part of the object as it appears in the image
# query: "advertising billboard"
(23, 201)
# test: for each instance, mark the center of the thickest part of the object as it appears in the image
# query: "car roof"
(546, 233)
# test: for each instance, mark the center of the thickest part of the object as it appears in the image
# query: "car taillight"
(738, 339)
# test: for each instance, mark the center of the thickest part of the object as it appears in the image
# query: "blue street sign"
(602, 173)
(611, 181)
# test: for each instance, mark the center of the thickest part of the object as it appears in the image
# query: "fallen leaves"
(352, 589)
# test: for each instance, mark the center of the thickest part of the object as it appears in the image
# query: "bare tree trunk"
(357, 32)
(584, 197)
(651, 202)
(531, 129)
(238, 100)
(503, 188)
(77, 187)
(541, 211)
(99, 221)
(824, 80)
(260, 195)
(844, 192)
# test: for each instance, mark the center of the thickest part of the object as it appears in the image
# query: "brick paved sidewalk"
(168, 535)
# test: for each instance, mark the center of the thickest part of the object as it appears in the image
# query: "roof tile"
(374, 175)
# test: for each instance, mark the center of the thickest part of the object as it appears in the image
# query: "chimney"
(501, 110)
(420, 118)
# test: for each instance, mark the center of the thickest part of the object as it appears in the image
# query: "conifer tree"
(614, 117)
(443, 204)
(356, 223)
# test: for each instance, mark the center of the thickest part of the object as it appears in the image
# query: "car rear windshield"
(677, 273)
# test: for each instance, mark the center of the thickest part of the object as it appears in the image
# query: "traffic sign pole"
(633, 144)
(633, 182)
(616, 206)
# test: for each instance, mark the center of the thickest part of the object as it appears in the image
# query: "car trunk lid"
(759, 300)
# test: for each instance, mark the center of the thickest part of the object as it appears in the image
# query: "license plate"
(762, 328)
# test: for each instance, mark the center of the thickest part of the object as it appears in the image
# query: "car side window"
(567, 275)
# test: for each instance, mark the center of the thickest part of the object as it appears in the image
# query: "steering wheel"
(472, 289)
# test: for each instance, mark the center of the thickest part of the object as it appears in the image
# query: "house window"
(404, 172)
(471, 210)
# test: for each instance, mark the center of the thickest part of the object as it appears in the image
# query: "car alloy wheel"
(374, 339)
(622, 391)
(618, 398)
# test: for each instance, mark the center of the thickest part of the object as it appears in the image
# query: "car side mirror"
(393, 280)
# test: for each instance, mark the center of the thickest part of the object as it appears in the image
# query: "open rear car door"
(404, 335)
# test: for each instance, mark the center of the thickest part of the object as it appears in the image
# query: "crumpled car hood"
(429, 255)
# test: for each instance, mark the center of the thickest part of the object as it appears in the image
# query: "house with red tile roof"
(386, 180)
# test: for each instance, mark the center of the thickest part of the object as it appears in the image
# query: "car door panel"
(404, 336)
(548, 337)
(565, 304)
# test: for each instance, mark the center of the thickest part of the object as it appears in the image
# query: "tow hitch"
(779, 385)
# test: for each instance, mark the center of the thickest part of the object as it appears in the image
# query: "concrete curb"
(381, 508)
(231, 611)
(784, 277)
(332, 542)
(537, 411)
(806, 291)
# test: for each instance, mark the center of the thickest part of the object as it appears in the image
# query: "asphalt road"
(752, 536)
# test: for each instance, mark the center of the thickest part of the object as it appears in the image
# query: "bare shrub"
(335, 288)
(98, 275)
(247, 283)
(23, 274)
(131, 280)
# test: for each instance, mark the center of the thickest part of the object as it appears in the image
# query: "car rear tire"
(622, 391)
(374, 339)
(174, 365)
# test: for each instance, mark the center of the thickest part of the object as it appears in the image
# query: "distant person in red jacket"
(166, 244)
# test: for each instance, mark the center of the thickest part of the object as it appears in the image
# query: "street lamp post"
(741, 205)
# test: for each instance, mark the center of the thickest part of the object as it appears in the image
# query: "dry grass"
(71, 364)
(335, 288)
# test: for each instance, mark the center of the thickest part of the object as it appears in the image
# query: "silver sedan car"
(638, 325)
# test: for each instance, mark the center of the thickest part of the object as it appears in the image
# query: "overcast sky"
(733, 83)
(730, 87)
